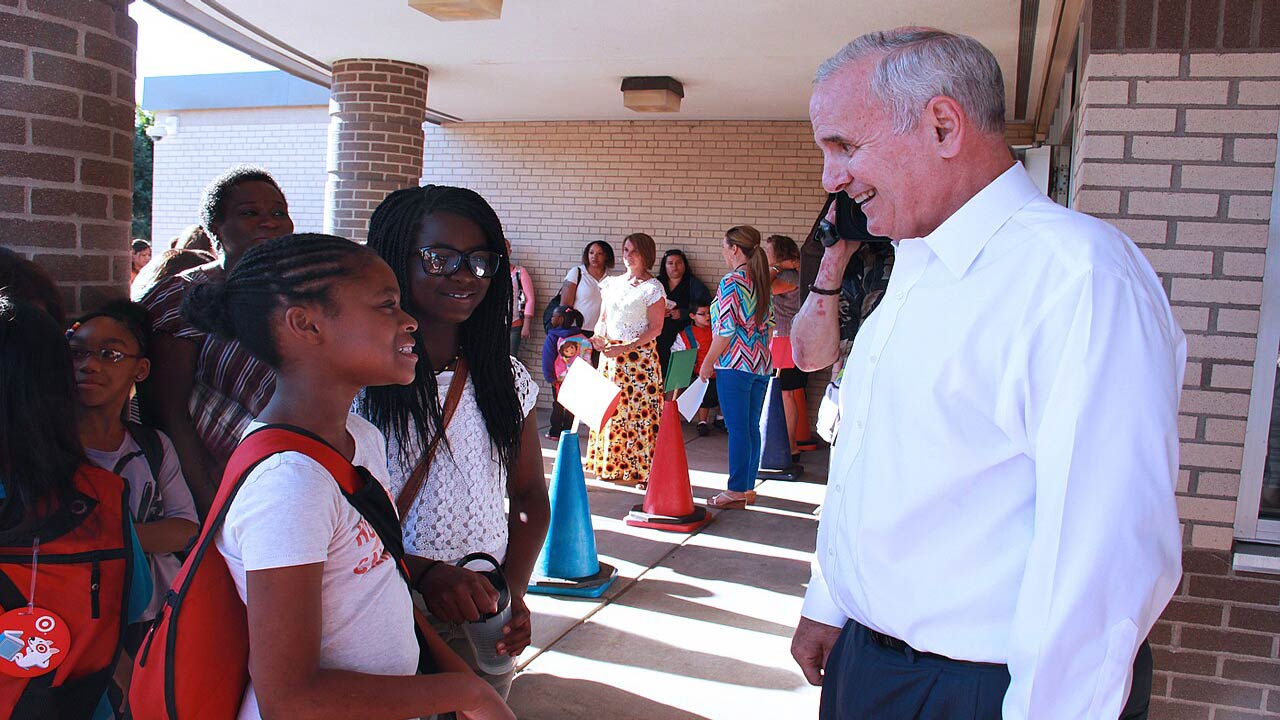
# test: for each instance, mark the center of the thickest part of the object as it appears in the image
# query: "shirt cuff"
(818, 605)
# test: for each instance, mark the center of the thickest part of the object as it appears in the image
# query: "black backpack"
(555, 303)
(151, 450)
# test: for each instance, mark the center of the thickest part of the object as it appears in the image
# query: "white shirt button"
(873, 359)
(899, 295)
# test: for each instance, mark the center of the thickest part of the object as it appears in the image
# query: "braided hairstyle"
(409, 412)
(289, 270)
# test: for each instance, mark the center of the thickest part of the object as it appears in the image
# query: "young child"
(699, 335)
(331, 627)
(565, 342)
(455, 472)
(109, 350)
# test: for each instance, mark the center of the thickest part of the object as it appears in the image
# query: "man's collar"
(961, 237)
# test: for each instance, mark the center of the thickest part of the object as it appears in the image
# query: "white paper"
(691, 399)
(589, 395)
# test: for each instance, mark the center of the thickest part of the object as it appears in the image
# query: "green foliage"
(142, 166)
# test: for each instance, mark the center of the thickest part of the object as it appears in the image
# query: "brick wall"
(66, 141)
(290, 142)
(1178, 150)
(559, 185)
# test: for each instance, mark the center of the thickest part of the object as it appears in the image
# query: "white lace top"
(625, 308)
(460, 508)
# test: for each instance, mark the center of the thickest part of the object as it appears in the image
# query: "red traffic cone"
(668, 500)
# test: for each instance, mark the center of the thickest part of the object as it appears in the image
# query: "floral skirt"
(623, 451)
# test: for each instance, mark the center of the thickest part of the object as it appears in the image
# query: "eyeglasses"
(439, 260)
(106, 355)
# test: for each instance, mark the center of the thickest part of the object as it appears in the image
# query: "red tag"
(33, 641)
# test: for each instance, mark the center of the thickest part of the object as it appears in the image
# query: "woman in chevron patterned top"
(741, 317)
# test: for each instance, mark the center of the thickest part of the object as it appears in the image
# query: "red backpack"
(194, 663)
(83, 570)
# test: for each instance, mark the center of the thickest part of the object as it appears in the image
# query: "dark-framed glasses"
(441, 260)
(106, 355)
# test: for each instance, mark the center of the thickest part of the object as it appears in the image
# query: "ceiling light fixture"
(652, 93)
(449, 10)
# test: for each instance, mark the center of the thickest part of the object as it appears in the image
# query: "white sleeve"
(285, 514)
(526, 388)
(175, 495)
(818, 605)
(1103, 377)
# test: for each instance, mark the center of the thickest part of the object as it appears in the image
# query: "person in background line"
(204, 389)
(522, 304)
(330, 618)
(699, 336)
(566, 333)
(165, 265)
(109, 350)
(784, 259)
(581, 289)
(632, 308)
(140, 256)
(456, 475)
(193, 237)
(999, 532)
(684, 292)
(739, 358)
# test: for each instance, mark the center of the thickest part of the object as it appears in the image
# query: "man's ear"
(300, 322)
(946, 123)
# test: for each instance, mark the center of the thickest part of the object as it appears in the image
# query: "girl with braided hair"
(331, 627)
(204, 390)
(452, 470)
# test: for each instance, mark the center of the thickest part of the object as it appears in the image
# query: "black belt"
(889, 642)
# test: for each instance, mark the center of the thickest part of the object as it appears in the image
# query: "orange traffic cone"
(668, 500)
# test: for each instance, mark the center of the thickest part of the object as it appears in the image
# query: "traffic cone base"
(682, 523)
(791, 472)
(591, 586)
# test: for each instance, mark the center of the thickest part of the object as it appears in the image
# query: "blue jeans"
(741, 400)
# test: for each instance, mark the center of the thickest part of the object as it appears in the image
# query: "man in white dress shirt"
(999, 532)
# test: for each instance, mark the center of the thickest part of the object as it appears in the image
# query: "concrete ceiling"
(565, 59)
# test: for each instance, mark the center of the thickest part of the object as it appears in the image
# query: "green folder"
(680, 369)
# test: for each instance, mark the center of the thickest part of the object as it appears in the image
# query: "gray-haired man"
(999, 532)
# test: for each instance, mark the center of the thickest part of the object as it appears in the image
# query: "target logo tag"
(33, 641)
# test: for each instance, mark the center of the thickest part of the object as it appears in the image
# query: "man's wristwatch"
(813, 287)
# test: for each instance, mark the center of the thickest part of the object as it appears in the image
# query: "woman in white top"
(581, 289)
(447, 249)
(631, 312)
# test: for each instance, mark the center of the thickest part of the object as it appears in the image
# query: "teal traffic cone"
(775, 456)
(568, 564)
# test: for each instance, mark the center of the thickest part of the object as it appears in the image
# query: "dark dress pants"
(865, 680)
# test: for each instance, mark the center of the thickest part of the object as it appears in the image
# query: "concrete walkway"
(696, 626)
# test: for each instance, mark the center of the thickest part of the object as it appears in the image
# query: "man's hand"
(457, 595)
(518, 632)
(810, 647)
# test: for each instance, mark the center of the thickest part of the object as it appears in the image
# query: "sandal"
(725, 501)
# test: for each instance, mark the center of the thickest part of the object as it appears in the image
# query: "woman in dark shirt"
(684, 293)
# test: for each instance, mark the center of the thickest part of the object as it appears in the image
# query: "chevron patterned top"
(733, 316)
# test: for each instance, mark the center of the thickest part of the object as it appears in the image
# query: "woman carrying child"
(462, 437)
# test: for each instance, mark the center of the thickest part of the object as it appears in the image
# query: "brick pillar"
(1175, 144)
(66, 141)
(376, 111)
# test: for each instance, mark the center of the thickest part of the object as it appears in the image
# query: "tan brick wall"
(376, 112)
(66, 141)
(559, 185)
(1178, 150)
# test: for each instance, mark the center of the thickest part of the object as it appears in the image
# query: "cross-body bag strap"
(419, 475)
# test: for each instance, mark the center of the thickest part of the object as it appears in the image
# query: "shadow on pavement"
(670, 598)
(537, 696)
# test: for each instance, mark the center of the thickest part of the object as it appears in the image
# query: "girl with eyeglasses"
(455, 460)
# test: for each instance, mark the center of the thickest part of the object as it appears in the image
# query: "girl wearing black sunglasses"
(448, 251)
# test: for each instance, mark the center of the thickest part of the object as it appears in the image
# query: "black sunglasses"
(442, 260)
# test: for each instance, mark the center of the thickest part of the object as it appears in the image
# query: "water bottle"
(484, 634)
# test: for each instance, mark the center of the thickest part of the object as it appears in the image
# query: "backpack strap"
(148, 440)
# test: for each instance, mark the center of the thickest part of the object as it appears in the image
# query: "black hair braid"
(292, 269)
(413, 412)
